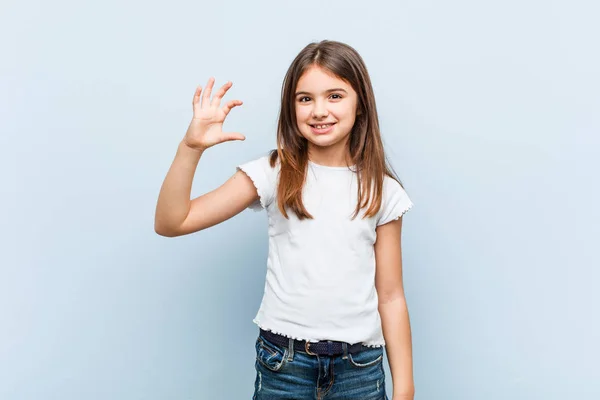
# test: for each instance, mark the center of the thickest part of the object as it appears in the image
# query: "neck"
(330, 156)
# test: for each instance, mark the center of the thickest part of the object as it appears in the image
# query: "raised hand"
(206, 128)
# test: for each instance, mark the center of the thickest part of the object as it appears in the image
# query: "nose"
(319, 110)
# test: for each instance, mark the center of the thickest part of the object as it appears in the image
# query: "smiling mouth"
(322, 126)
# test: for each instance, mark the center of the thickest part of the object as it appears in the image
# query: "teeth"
(322, 126)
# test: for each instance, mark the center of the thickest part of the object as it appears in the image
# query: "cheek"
(347, 113)
(302, 114)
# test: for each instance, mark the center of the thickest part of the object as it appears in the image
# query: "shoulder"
(264, 162)
(392, 187)
(395, 201)
(264, 174)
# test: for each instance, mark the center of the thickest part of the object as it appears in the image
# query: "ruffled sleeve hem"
(260, 204)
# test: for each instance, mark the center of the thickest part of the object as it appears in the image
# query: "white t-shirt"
(320, 282)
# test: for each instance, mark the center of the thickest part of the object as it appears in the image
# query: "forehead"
(318, 79)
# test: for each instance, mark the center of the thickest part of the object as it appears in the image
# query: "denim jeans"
(285, 373)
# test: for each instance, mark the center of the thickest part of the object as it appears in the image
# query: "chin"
(322, 141)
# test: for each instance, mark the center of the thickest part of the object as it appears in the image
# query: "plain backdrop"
(490, 116)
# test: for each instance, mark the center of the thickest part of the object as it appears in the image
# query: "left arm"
(392, 308)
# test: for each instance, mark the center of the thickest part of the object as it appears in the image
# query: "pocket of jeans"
(269, 355)
(366, 358)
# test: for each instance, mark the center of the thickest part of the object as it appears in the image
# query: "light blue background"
(490, 115)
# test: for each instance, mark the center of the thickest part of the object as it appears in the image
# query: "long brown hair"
(365, 144)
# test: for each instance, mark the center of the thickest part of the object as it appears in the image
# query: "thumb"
(234, 136)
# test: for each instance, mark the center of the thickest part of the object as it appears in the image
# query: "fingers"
(196, 98)
(207, 91)
(206, 101)
(219, 95)
(231, 104)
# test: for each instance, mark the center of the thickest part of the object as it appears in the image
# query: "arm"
(393, 309)
(175, 214)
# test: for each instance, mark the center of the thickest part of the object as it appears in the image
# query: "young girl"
(333, 296)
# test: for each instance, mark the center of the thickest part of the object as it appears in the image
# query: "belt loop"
(291, 349)
(345, 348)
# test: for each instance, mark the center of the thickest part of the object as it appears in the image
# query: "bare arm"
(393, 309)
(176, 214)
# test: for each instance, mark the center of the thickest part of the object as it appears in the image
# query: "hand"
(206, 128)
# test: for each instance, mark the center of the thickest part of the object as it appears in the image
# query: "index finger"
(207, 91)
(219, 95)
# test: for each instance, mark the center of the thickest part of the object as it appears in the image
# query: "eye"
(339, 96)
(303, 99)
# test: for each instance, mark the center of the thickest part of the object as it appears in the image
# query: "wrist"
(183, 145)
(404, 393)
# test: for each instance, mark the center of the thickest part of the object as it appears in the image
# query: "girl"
(333, 295)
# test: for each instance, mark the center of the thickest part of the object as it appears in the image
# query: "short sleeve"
(264, 178)
(395, 202)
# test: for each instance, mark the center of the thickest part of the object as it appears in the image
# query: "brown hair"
(365, 144)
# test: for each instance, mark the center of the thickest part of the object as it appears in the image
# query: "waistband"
(321, 348)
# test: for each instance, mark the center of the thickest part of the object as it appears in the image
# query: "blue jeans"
(285, 373)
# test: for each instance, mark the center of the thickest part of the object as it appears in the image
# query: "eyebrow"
(327, 91)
